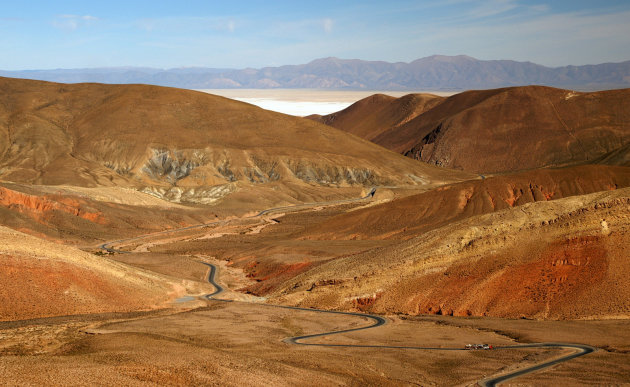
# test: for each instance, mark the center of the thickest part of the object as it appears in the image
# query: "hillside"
(180, 145)
(90, 215)
(561, 259)
(437, 72)
(371, 116)
(41, 278)
(499, 130)
(414, 215)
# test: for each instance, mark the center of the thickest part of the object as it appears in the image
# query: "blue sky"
(167, 34)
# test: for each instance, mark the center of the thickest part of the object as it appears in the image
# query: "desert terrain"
(496, 131)
(158, 236)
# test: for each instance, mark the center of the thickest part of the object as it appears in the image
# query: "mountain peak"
(447, 58)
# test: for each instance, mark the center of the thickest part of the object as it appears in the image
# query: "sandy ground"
(237, 343)
(241, 344)
(41, 279)
(195, 341)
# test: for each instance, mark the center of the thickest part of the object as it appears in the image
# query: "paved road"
(377, 321)
(211, 278)
(580, 348)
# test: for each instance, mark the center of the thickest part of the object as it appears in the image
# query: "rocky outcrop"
(412, 215)
(39, 207)
(262, 171)
(174, 166)
(334, 175)
(225, 171)
(560, 259)
(171, 166)
(200, 195)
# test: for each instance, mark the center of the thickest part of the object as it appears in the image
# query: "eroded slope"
(510, 129)
(409, 216)
(41, 279)
(561, 259)
(179, 144)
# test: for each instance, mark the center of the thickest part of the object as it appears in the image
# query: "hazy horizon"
(192, 68)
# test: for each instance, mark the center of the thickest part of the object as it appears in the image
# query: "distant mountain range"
(436, 72)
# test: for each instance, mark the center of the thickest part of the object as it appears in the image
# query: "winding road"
(580, 349)
(378, 321)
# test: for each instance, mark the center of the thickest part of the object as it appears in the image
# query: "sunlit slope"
(500, 130)
(90, 215)
(41, 278)
(379, 113)
(410, 216)
(158, 138)
(566, 258)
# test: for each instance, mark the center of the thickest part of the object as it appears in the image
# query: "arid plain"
(498, 216)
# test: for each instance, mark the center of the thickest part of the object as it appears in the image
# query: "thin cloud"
(69, 22)
(301, 28)
(328, 25)
(493, 8)
(539, 8)
(537, 38)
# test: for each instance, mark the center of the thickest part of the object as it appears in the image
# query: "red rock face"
(365, 303)
(570, 266)
(40, 207)
(569, 278)
(548, 284)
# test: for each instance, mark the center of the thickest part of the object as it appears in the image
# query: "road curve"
(379, 321)
(211, 278)
(376, 320)
(580, 348)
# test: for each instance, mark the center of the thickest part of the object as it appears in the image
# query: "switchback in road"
(377, 321)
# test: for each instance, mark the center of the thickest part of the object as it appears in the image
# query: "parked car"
(478, 346)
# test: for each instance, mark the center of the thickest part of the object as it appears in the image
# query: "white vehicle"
(478, 346)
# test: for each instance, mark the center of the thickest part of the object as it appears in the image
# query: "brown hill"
(412, 215)
(179, 143)
(507, 129)
(565, 258)
(90, 215)
(620, 156)
(371, 116)
(41, 278)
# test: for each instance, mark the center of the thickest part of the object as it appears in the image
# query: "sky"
(43, 34)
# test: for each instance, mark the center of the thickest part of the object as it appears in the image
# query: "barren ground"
(237, 343)
(516, 258)
(240, 344)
